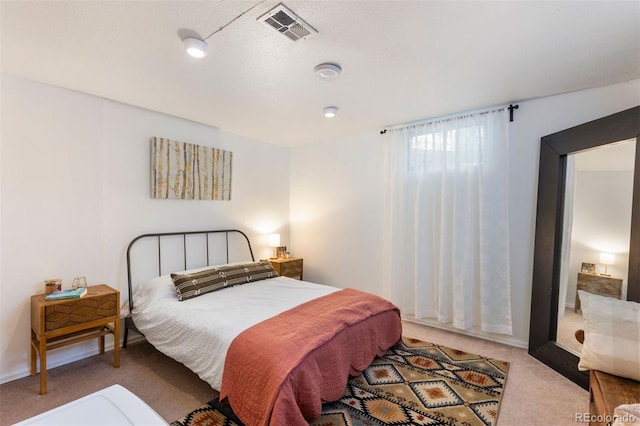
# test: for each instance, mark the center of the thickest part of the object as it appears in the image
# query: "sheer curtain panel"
(447, 221)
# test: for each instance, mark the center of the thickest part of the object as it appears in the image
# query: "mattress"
(198, 332)
(111, 406)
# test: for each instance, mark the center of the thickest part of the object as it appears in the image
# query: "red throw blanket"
(280, 371)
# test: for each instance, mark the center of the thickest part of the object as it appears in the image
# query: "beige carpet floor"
(534, 394)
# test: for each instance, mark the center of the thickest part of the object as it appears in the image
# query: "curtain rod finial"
(511, 108)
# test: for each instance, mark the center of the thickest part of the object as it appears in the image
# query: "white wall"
(74, 174)
(76, 189)
(601, 223)
(337, 196)
(337, 211)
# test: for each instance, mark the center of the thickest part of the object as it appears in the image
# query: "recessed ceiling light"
(330, 111)
(328, 71)
(195, 47)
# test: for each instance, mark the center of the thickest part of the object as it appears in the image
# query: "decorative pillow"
(189, 285)
(611, 335)
(626, 415)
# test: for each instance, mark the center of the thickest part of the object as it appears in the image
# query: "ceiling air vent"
(287, 23)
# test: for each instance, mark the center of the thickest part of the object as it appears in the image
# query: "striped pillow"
(194, 284)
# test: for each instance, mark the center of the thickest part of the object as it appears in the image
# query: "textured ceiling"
(401, 60)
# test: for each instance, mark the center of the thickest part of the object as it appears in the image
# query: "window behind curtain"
(447, 239)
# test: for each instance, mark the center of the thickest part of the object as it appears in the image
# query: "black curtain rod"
(511, 107)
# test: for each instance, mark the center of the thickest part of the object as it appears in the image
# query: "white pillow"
(611, 335)
(626, 415)
(162, 287)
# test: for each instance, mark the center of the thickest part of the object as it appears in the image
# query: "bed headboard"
(198, 248)
(211, 247)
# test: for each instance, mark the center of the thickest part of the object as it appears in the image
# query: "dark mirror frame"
(554, 149)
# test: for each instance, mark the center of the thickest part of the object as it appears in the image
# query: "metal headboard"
(159, 237)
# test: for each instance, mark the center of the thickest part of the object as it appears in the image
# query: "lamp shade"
(607, 258)
(274, 240)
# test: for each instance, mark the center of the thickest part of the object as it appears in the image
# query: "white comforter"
(197, 332)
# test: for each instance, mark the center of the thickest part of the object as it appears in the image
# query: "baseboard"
(69, 355)
(55, 361)
(498, 338)
(134, 338)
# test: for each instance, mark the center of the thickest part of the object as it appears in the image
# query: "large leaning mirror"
(571, 179)
(596, 232)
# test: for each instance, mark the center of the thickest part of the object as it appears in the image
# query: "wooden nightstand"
(59, 323)
(606, 392)
(290, 267)
(603, 285)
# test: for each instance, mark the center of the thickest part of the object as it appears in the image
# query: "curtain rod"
(511, 107)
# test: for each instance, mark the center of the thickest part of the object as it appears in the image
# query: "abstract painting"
(189, 172)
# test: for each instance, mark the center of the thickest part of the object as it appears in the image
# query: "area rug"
(413, 383)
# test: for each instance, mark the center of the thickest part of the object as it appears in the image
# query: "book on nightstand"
(75, 293)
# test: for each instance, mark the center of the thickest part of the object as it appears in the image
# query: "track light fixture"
(196, 47)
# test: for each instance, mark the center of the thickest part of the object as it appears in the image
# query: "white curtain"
(447, 221)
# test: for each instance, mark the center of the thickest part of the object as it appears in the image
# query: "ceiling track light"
(330, 111)
(328, 71)
(196, 47)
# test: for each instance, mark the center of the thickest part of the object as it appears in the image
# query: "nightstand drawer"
(603, 285)
(291, 269)
(79, 311)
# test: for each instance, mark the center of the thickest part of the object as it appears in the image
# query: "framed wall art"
(187, 171)
(589, 268)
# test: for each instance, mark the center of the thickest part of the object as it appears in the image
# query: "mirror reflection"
(596, 231)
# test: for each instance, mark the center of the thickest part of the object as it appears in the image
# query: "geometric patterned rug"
(413, 383)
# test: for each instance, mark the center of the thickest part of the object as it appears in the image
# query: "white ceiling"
(401, 60)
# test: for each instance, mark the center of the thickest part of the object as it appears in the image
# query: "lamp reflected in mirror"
(607, 259)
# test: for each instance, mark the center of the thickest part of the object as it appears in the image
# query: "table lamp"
(607, 259)
(274, 241)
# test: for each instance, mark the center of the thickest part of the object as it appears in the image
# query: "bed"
(276, 348)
